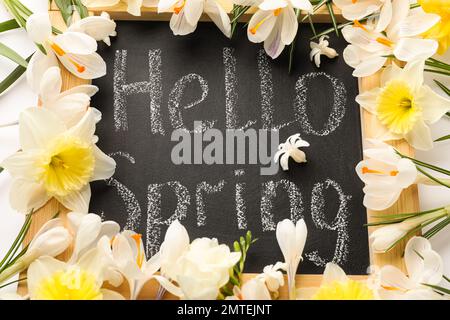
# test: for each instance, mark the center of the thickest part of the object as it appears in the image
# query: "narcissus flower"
(369, 49)
(187, 13)
(404, 105)
(441, 31)
(75, 50)
(51, 279)
(337, 286)
(423, 265)
(275, 23)
(55, 161)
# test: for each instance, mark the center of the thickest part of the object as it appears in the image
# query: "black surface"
(333, 156)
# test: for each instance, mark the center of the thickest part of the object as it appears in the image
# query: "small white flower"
(290, 149)
(291, 239)
(321, 48)
(273, 277)
(98, 27)
(254, 289)
(424, 266)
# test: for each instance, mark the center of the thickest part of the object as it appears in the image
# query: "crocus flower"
(423, 265)
(291, 239)
(101, 27)
(55, 161)
(404, 105)
(369, 49)
(75, 50)
(51, 279)
(321, 48)
(385, 175)
(275, 23)
(187, 13)
(70, 105)
(290, 149)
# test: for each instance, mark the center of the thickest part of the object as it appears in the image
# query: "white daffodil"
(423, 265)
(254, 289)
(133, 6)
(369, 50)
(187, 13)
(75, 50)
(70, 105)
(273, 277)
(404, 105)
(98, 27)
(321, 48)
(51, 279)
(385, 175)
(289, 149)
(51, 240)
(125, 253)
(337, 286)
(355, 10)
(275, 23)
(55, 161)
(384, 238)
(202, 270)
(291, 239)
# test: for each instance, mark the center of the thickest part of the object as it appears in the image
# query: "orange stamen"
(366, 170)
(354, 1)
(276, 13)
(58, 50)
(385, 41)
(112, 240)
(140, 256)
(393, 173)
(177, 10)
(358, 24)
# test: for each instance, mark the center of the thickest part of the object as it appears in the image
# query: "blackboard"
(158, 82)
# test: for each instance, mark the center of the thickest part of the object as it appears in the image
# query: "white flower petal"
(85, 128)
(420, 136)
(25, 195)
(385, 16)
(409, 49)
(104, 165)
(368, 100)
(134, 7)
(417, 23)
(218, 15)
(39, 27)
(89, 66)
(273, 44)
(265, 21)
(302, 5)
(369, 66)
(379, 203)
(289, 25)
(111, 295)
(50, 85)
(38, 65)
(179, 24)
(434, 106)
(77, 200)
(76, 43)
(392, 277)
(333, 273)
(193, 10)
(87, 233)
(273, 4)
(40, 269)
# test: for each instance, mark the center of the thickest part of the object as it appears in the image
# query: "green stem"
(11, 271)
(424, 164)
(433, 178)
(438, 72)
(11, 282)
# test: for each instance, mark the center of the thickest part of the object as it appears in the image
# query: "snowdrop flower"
(321, 48)
(202, 270)
(254, 289)
(289, 149)
(423, 265)
(337, 286)
(291, 239)
(275, 23)
(70, 105)
(355, 10)
(126, 254)
(98, 27)
(51, 240)
(384, 238)
(133, 6)
(55, 162)
(187, 13)
(51, 279)
(404, 105)
(440, 31)
(385, 175)
(75, 50)
(369, 50)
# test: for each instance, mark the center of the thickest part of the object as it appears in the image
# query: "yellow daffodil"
(404, 105)
(51, 279)
(441, 31)
(337, 286)
(55, 161)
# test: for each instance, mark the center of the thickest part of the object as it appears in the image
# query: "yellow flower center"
(348, 290)
(441, 30)
(66, 166)
(396, 108)
(71, 284)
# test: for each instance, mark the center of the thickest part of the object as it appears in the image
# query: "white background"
(21, 97)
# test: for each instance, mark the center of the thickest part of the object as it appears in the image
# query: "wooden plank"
(119, 12)
(408, 202)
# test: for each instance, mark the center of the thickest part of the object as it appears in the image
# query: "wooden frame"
(408, 201)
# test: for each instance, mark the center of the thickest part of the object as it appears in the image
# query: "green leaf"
(8, 25)
(438, 227)
(65, 6)
(12, 55)
(424, 164)
(443, 138)
(333, 17)
(442, 183)
(292, 45)
(12, 77)
(443, 87)
(438, 288)
(82, 10)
